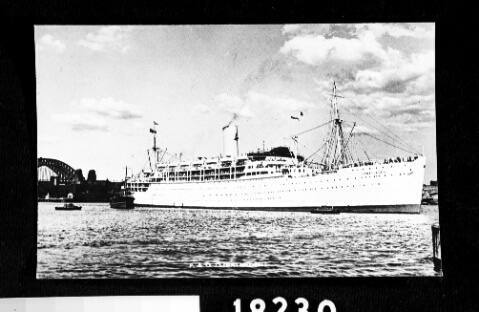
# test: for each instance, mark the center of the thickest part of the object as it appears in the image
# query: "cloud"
(396, 75)
(393, 111)
(291, 28)
(419, 31)
(49, 42)
(390, 79)
(254, 104)
(360, 129)
(357, 54)
(277, 103)
(272, 67)
(97, 114)
(397, 30)
(110, 108)
(82, 121)
(318, 49)
(231, 104)
(202, 108)
(304, 29)
(83, 126)
(108, 38)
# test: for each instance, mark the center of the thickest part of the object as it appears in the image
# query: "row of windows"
(136, 189)
(143, 186)
(328, 180)
(286, 191)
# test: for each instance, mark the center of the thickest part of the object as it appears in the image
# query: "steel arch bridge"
(64, 172)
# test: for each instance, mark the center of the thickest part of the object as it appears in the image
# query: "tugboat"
(123, 200)
(68, 206)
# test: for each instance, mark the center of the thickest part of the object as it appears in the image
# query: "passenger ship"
(279, 179)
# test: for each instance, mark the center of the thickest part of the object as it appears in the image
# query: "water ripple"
(99, 242)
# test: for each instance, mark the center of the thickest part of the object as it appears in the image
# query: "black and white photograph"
(236, 151)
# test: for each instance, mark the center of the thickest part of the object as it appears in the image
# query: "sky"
(99, 88)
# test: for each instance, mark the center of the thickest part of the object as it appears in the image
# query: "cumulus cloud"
(108, 38)
(391, 111)
(371, 65)
(396, 74)
(49, 42)
(317, 49)
(392, 81)
(412, 30)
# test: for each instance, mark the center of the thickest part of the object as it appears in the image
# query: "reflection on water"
(99, 242)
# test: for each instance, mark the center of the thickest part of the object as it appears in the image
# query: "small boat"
(68, 206)
(325, 210)
(122, 200)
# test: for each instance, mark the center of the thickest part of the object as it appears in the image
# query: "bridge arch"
(64, 172)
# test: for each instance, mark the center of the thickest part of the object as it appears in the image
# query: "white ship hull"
(392, 187)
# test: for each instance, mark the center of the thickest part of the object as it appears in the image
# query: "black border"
(457, 90)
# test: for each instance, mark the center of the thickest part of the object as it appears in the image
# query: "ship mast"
(124, 184)
(335, 153)
(155, 148)
(339, 128)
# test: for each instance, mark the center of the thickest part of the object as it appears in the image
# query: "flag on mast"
(296, 117)
(155, 123)
(152, 131)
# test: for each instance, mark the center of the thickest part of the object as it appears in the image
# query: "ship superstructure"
(280, 179)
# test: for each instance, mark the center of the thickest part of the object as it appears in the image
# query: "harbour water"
(99, 242)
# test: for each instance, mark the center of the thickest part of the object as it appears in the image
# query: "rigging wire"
(391, 135)
(391, 132)
(314, 128)
(388, 143)
(404, 145)
(356, 147)
(315, 152)
(331, 143)
(363, 149)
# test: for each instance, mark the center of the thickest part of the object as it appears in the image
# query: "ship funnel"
(237, 139)
(230, 140)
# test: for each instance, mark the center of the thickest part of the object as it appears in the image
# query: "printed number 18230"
(259, 305)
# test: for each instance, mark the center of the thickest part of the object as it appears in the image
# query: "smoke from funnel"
(235, 116)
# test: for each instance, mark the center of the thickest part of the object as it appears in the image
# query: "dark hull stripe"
(412, 208)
